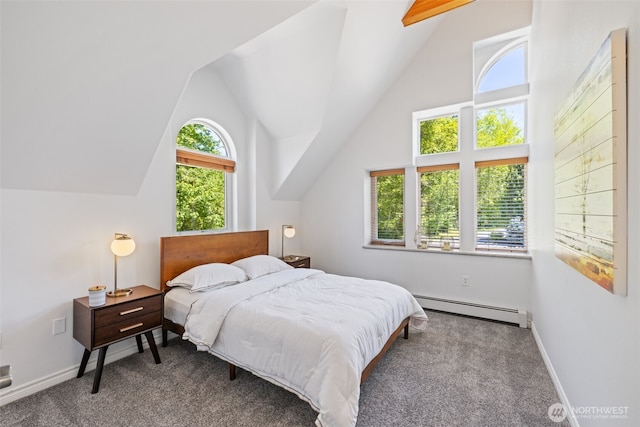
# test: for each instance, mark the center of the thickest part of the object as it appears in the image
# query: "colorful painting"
(591, 170)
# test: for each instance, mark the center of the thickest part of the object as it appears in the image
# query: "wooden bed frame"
(180, 253)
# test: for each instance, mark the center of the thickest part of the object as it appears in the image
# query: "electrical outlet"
(465, 280)
(59, 325)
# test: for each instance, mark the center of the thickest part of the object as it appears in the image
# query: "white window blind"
(439, 213)
(501, 207)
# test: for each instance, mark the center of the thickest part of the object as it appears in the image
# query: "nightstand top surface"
(141, 291)
(294, 257)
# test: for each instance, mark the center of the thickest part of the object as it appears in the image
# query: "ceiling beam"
(423, 9)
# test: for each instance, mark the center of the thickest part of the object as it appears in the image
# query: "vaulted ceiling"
(89, 87)
(311, 80)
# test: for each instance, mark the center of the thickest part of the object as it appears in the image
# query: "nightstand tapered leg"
(83, 363)
(152, 346)
(139, 342)
(98, 373)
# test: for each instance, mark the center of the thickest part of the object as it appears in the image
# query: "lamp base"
(119, 293)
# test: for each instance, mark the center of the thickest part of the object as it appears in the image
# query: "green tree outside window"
(390, 207)
(200, 191)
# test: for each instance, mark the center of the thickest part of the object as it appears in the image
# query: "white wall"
(334, 208)
(591, 337)
(273, 214)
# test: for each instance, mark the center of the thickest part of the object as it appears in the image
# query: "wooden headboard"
(180, 253)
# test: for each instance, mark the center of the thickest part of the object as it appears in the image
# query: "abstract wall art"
(590, 167)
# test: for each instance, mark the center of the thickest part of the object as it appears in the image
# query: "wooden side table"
(119, 318)
(298, 261)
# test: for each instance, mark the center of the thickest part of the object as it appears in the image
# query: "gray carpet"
(460, 372)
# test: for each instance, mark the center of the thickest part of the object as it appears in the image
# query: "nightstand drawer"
(127, 328)
(305, 263)
(297, 261)
(125, 311)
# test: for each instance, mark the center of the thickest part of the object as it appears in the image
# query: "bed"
(315, 334)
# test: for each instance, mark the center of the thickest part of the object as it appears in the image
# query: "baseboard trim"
(503, 314)
(554, 377)
(13, 393)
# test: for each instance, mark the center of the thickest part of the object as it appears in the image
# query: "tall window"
(387, 207)
(203, 167)
(471, 160)
(500, 204)
(439, 219)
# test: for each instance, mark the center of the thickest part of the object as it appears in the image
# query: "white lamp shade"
(123, 245)
(289, 232)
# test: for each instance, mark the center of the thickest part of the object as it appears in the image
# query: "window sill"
(496, 254)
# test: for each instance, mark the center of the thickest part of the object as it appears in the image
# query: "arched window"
(505, 71)
(204, 164)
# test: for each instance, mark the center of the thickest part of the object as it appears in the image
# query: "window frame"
(454, 243)
(501, 103)
(503, 162)
(195, 158)
(442, 116)
(373, 210)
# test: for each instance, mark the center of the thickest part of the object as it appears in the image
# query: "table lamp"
(288, 231)
(122, 245)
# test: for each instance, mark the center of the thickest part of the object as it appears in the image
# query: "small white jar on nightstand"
(97, 295)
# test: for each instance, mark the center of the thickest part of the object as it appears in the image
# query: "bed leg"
(164, 337)
(232, 372)
(406, 331)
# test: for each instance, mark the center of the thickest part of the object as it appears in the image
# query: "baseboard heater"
(503, 314)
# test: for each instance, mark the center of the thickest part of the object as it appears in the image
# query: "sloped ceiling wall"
(311, 80)
(88, 87)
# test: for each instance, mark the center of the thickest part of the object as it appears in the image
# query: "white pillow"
(209, 276)
(259, 265)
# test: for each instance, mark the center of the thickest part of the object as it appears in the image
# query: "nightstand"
(119, 318)
(298, 261)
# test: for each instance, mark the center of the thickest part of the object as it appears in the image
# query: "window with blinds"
(438, 211)
(501, 204)
(387, 207)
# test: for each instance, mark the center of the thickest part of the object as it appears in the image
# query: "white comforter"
(309, 332)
